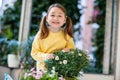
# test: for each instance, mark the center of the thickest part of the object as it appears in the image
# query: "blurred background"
(20, 19)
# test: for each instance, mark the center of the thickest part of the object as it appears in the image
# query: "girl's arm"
(36, 52)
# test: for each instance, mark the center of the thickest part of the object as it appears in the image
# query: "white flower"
(88, 57)
(51, 75)
(60, 62)
(64, 61)
(53, 71)
(53, 68)
(72, 52)
(80, 54)
(56, 58)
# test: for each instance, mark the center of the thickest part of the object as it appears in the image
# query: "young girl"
(56, 33)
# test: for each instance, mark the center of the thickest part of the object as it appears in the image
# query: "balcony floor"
(97, 77)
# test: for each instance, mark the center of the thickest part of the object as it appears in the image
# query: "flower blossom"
(53, 71)
(60, 62)
(61, 78)
(72, 52)
(80, 54)
(64, 61)
(56, 58)
(39, 74)
(53, 68)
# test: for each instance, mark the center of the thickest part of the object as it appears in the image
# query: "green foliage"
(11, 20)
(48, 77)
(68, 64)
(3, 51)
(99, 39)
(9, 31)
(11, 16)
(13, 46)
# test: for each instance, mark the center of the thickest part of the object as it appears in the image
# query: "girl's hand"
(50, 56)
(66, 50)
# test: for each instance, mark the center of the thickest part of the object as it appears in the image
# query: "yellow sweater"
(42, 47)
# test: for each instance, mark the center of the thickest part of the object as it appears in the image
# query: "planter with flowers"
(33, 74)
(64, 66)
(68, 64)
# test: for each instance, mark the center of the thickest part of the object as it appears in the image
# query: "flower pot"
(13, 61)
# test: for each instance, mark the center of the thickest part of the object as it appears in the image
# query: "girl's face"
(56, 17)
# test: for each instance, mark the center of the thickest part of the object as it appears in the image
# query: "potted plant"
(13, 58)
(68, 64)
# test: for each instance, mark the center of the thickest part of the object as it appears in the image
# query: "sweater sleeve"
(70, 43)
(36, 52)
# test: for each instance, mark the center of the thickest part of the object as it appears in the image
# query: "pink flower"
(32, 69)
(39, 74)
(96, 12)
(33, 73)
(61, 78)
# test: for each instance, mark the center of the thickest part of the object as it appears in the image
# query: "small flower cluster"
(40, 75)
(61, 62)
(68, 64)
(36, 74)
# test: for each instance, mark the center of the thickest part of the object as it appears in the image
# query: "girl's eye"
(59, 16)
(52, 15)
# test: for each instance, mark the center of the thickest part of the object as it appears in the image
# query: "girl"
(56, 33)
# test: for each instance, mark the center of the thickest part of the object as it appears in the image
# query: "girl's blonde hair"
(44, 32)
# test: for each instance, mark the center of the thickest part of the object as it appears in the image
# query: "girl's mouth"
(55, 22)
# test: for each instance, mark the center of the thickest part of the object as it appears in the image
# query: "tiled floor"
(97, 77)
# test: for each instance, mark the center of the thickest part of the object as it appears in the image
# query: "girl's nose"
(55, 18)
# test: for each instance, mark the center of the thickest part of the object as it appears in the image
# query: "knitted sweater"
(54, 41)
